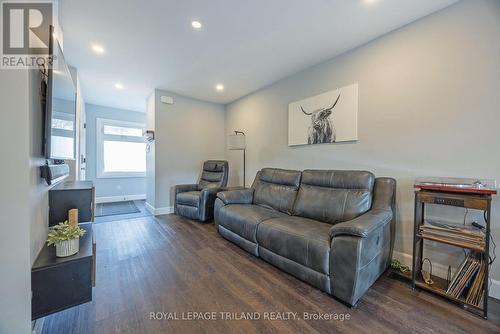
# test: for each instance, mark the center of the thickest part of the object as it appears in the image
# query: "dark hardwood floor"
(170, 264)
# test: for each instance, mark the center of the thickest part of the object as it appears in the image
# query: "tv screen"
(60, 117)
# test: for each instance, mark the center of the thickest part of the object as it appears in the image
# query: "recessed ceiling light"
(97, 48)
(196, 24)
(370, 2)
(118, 85)
(219, 87)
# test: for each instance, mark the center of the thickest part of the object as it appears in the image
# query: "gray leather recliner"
(331, 229)
(196, 201)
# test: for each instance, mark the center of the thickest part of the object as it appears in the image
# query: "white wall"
(74, 166)
(15, 287)
(428, 105)
(187, 133)
(39, 199)
(23, 196)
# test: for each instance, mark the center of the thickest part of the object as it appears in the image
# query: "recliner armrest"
(182, 188)
(240, 196)
(362, 226)
(210, 191)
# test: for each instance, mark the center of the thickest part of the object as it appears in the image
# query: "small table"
(58, 283)
(475, 201)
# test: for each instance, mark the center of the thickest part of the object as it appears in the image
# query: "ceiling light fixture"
(370, 2)
(219, 87)
(118, 85)
(97, 48)
(196, 24)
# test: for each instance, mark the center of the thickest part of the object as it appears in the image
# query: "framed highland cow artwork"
(330, 117)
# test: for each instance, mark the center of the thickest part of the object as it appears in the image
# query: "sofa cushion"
(277, 188)
(191, 198)
(334, 196)
(302, 240)
(243, 219)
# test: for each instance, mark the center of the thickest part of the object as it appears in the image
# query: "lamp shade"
(236, 142)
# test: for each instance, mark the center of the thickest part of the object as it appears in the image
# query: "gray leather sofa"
(196, 201)
(332, 229)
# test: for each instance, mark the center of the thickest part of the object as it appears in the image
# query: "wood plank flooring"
(170, 264)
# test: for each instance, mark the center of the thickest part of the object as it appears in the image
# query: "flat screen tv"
(60, 107)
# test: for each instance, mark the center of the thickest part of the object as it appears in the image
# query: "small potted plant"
(66, 239)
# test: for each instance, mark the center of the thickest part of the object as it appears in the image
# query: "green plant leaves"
(396, 265)
(63, 232)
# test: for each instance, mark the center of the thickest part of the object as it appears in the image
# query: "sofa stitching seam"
(298, 235)
(378, 253)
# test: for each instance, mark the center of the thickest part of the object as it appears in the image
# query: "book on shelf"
(468, 280)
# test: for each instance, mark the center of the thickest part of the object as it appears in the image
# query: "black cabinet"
(60, 283)
(71, 195)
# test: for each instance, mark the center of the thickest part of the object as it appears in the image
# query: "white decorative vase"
(67, 247)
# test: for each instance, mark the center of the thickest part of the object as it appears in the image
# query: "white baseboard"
(164, 211)
(109, 199)
(441, 270)
(150, 208)
(159, 211)
(494, 289)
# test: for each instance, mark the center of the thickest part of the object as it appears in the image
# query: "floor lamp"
(237, 142)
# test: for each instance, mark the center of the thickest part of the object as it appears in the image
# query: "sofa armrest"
(240, 196)
(182, 188)
(361, 248)
(208, 195)
(363, 225)
(207, 200)
(381, 213)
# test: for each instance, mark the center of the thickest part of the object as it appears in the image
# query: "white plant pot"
(67, 247)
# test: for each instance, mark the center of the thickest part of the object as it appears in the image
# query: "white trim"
(150, 208)
(110, 199)
(159, 211)
(164, 211)
(100, 137)
(441, 270)
(494, 289)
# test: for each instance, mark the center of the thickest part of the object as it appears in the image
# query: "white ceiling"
(243, 44)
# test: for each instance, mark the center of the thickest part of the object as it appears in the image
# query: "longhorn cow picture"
(322, 129)
(326, 118)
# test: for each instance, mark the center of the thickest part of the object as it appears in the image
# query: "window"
(121, 149)
(62, 135)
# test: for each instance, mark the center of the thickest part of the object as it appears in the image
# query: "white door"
(83, 139)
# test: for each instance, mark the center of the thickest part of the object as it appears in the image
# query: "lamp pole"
(244, 156)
